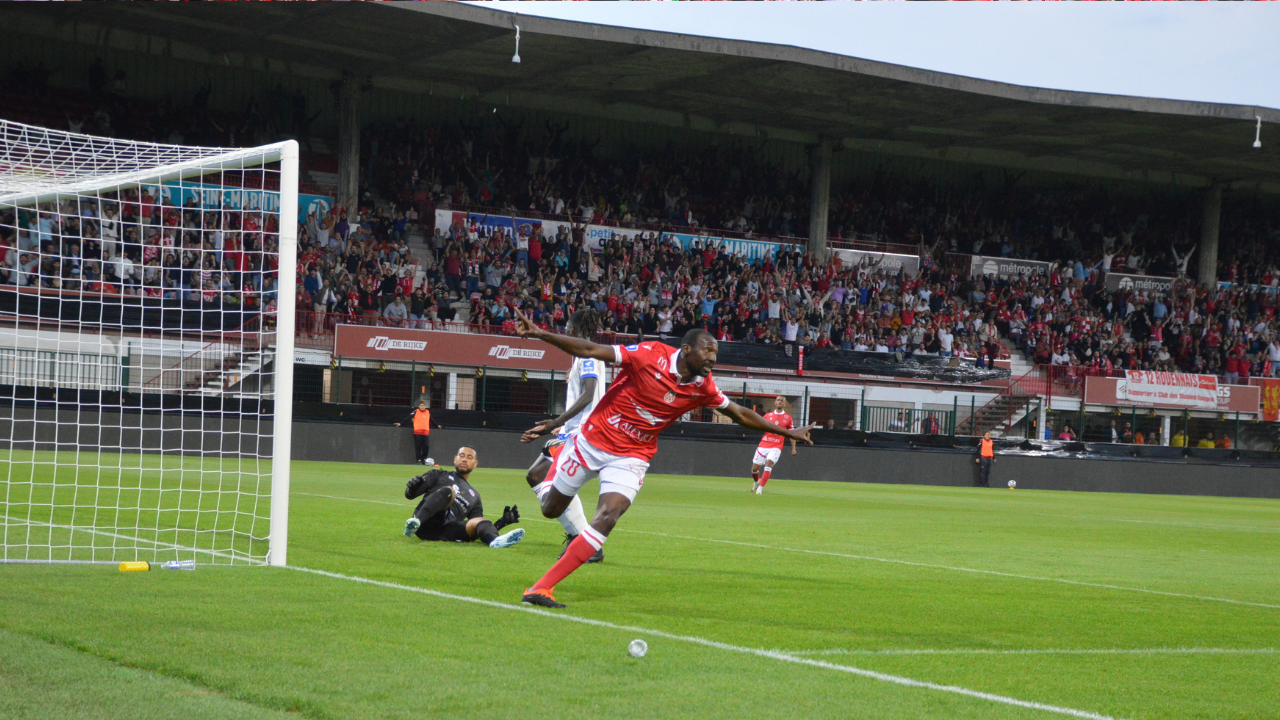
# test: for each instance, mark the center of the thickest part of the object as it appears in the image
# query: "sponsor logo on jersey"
(506, 352)
(382, 343)
(633, 347)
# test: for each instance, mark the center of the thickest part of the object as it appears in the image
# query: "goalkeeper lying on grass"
(450, 509)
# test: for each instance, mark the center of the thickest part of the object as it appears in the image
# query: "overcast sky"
(1216, 52)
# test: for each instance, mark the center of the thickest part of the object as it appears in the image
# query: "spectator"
(396, 313)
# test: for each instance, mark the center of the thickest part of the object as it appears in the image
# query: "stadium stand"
(384, 262)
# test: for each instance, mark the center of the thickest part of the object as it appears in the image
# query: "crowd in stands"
(731, 189)
(646, 284)
(132, 244)
(508, 167)
(357, 262)
(1075, 323)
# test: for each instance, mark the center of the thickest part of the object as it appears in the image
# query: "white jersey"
(582, 369)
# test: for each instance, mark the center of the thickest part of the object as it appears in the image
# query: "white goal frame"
(69, 164)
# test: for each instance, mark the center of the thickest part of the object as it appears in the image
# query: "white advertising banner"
(597, 235)
(892, 262)
(1149, 387)
(1004, 268)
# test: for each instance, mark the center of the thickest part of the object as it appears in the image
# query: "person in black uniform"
(451, 510)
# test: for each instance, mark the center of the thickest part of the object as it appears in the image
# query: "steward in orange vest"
(986, 457)
(421, 420)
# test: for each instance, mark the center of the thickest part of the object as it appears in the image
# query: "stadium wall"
(236, 436)
(502, 449)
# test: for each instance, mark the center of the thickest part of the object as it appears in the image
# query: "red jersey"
(770, 440)
(645, 398)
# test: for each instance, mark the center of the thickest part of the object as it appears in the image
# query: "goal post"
(282, 424)
(146, 349)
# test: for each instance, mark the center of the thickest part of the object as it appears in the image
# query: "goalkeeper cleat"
(507, 540)
(510, 516)
(411, 526)
(541, 598)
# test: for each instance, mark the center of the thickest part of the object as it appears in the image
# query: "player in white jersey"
(583, 390)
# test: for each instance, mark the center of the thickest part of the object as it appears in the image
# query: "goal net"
(146, 349)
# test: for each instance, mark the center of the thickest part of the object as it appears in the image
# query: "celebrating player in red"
(770, 446)
(654, 387)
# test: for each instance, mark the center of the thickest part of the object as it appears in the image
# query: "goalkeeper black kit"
(448, 502)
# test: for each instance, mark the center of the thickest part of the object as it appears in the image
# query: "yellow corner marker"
(135, 566)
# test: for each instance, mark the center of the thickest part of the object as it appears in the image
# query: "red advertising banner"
(1228, 398)
(445, 348)
(1270, 397)
(1187, 390)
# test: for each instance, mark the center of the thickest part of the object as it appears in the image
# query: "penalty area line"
(956, 568)
(1045, 651)
(694, 640)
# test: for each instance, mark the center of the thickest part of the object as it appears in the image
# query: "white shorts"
(766, 456)
(579, 461)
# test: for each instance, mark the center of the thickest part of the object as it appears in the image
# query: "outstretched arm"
(750, 420)
(546, 426)
(576, 347)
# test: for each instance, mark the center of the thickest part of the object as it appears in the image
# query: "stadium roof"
(729, 86)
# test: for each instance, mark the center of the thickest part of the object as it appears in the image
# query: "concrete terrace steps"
(999, 414)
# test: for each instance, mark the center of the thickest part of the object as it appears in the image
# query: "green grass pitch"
(1121, 606)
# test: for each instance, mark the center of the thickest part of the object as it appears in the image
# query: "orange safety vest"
(985, 449)
(421, 422)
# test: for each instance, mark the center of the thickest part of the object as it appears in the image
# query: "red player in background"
(770, 448)
(654, 387)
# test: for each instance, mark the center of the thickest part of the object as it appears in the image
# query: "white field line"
(1233, 528)
(771, 654)
(1046, 651)
(910, 563)
(157, 543)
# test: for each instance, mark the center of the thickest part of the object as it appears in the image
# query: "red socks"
(755, 475)
(764, 475)
(579, 551)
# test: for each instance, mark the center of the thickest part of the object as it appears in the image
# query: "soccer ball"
(429, 462)
(1013, 484)
(638, 648)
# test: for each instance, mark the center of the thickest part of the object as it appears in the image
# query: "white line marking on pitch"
(960, 569)
(1235, 528)
(893, 561)
(771, 654)
(1048, 651)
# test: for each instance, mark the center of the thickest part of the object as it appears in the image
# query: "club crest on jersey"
(669, 398)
